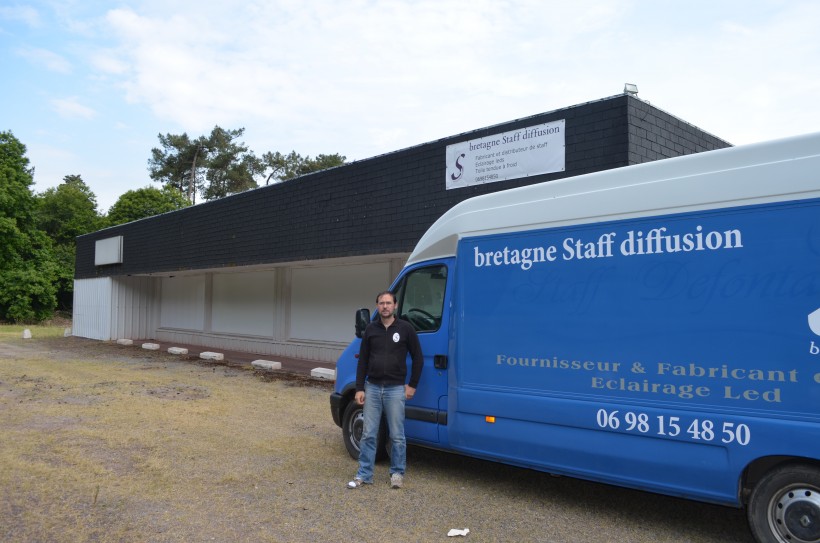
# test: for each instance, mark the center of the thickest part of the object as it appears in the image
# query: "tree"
(323, 162)
(28, 271)
(68, 210)
(145, 202)
(217, 165)
(231, 167)
(63, 213)
(214, 166)
(178, 162)
(286, 167)
(16, 201)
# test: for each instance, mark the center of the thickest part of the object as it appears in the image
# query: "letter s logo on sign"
(453, 176)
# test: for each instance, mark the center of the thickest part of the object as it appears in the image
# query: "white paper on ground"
(455, 531)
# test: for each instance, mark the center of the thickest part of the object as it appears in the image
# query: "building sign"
(527, 151)
(108, 251)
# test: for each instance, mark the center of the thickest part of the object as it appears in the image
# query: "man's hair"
(380, 294)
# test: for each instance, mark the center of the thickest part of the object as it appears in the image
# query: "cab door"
(423, 297)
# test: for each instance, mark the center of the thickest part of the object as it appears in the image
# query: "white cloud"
(419, 69)
(71, 108)
(365, 77)
(744, 76)
(107, 62)
(46, 59)
(25, 14)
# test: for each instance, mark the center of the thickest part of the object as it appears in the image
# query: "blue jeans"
(389, 400)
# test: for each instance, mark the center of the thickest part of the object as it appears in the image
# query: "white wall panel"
(135, 307)
(92, 308)
(243, 303)
(183, 302)
(304, 312)
(324, 300)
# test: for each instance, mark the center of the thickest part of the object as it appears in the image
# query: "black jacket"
(383, 355)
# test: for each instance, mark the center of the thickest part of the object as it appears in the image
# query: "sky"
(89, 85)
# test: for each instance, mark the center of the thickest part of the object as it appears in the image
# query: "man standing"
(382, 386)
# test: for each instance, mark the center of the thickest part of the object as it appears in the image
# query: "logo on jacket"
(396, 337)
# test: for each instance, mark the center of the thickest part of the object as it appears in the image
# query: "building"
(280, 270)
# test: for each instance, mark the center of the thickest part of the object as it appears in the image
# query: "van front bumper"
(335, 408)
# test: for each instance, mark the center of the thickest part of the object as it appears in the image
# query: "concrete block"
(266, 365)
(177, 350)
(125, 342)
(151, 346)
(208, 355)
(67, 332)
(26, 334)
(323, 373)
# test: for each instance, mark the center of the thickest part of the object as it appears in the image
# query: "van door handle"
(440, 361)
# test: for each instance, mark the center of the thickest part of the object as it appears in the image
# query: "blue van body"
(662, 353)
(669, 348)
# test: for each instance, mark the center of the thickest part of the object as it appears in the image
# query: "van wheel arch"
(783, 500)
(756, 471)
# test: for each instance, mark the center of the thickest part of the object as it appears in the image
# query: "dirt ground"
(102, 442)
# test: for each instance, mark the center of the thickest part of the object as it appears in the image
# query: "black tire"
(785, 505)
(352, 426)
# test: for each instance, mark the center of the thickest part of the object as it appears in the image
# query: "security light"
(630, 88)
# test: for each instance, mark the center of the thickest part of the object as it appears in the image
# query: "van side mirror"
(362, 320)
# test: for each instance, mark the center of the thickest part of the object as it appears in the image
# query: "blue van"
(655, 327)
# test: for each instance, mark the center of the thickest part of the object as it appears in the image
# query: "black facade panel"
(380, 205)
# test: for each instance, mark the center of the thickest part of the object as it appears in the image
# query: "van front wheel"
(352, 427)
(785, 505)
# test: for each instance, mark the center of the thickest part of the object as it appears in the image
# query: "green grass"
(37, 331)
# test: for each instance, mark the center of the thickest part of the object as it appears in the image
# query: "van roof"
(780, 170)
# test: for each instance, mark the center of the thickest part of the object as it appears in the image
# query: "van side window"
(420, 297)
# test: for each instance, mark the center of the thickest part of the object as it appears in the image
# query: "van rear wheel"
(785, 505)
(352, 427)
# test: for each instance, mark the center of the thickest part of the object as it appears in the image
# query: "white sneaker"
(396, 480)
